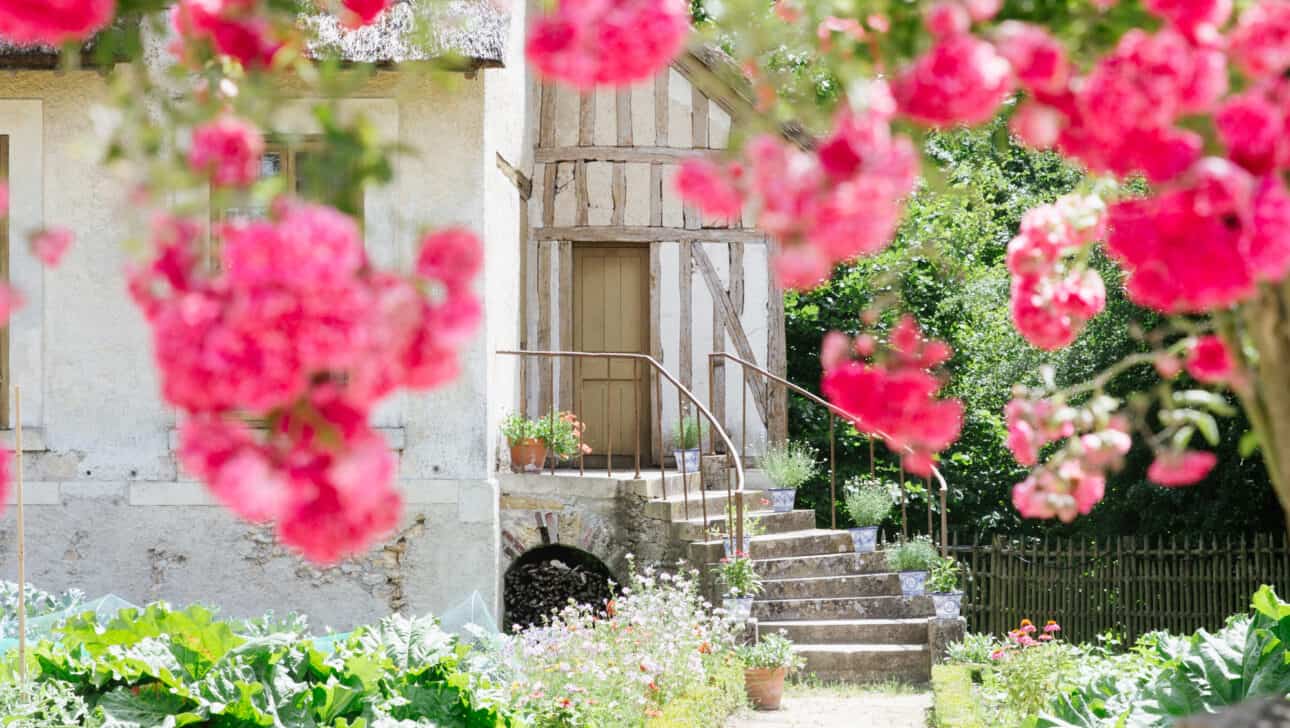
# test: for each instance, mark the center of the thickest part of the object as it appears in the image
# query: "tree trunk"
(1266, 396)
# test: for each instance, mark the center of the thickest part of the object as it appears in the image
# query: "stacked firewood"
(534, 591)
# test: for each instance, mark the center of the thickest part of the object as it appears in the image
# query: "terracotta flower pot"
(765, 686)
(528, 456)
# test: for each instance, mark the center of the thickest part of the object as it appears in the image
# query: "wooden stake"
(22, 546)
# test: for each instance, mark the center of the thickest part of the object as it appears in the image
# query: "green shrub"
(774, 650)
(710, 704)
(954, 704)
(49, 704)
(689, 433)
(868, 501)
(916, 554)
(975, 649)
(789, 465)
(944, 576)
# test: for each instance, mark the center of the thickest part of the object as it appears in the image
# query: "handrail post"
(833, 473)
(577, 407)
(945, 520)
(636, 412)
(658, 416)
(680, 428)
(609, 423)
(743, 445)
(931, 534)
(554, 456)
(712, 401)
(904, 513)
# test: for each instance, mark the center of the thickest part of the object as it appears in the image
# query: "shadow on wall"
(544, 579)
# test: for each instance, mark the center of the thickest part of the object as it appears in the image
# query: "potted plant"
(912, 560)
(740, 584)
(528, 451)
(868, 502)
(766, 664)
(559, 435)
(943, 585)
(788, 466)
(688, 436)
(752, 527)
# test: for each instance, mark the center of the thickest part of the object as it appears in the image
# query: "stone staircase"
(843, 610)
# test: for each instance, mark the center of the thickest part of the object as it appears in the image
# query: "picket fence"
(1128, 584)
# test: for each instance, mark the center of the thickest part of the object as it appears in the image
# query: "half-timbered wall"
(604, 168)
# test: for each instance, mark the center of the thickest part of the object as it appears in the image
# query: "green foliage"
(947, 265)
(868, 501)
(916, 554)
(773, 651)
(689, 433)
(739, 578)
(41, 705)
(953, 704)
(708, 704)
(944, 576)
(790, 465)
(163, 667)
(1160, 679)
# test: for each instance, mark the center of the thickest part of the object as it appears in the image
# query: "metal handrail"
(714, 427)
(834, 412)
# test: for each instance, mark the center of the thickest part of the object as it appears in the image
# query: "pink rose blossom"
(711, 188)
(10, 300)
(961, 80)
(983, 10)
(946, 18)
(1036, 125)
(239, 29)
(451, 256)
(49, 245)
(586, 43)
(1260, 43)
(6, 476)
(53, 22)
(1253, 127)
(1199, 19)
(1173, 469)
(1209, 361)
(229, 150)
(1038, 59)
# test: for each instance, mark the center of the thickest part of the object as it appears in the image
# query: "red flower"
(1173, 469)
(363, 12)
(53, 22)
(961, 80)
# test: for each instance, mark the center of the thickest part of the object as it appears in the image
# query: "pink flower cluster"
(298, 328)
(53, 22)
(1178, 468)
(895, 398)
(960, 80)
(364, 12)
(1023, 637)
(1073, 480)
(1209, 361)
(1205, 241)
(228, 149)
(1054, 295)
(585, 43)
(240, 29)
(841, 200)
(50, 245)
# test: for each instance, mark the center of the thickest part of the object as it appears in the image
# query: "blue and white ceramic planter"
(738, 608)
(726, 545)
(865, 538)
(782, 500)
(947, 604)
(687, 460)
(912, 583)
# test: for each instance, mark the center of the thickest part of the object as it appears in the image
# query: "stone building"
(587, 248)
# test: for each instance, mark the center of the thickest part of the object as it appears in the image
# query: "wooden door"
(611, 313)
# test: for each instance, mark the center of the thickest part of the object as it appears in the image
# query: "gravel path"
(875, 710)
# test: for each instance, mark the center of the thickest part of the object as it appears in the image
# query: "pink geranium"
(1173, 469)
(49, 245)
(229, 150)
(585, 43)
(53, 22)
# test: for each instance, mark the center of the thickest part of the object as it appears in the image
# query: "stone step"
(778, 545)
(651, 485)
(673, 507)
(860, 663)
(823, 587)
(832, 564)
(850, 631)
(771, 522)
(890, 607)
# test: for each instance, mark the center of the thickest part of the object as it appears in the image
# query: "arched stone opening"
(543, 580)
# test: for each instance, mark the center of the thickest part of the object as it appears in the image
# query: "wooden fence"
(1128, 584)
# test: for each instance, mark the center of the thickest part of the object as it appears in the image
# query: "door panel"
(610, 313)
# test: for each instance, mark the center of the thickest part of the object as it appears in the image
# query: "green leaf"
(152, 707)
(1249, 443)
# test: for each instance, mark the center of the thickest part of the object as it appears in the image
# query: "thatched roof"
(472, 31)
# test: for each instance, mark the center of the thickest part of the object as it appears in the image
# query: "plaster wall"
(109, 510)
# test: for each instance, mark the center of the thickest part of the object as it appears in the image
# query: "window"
(296, 160)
